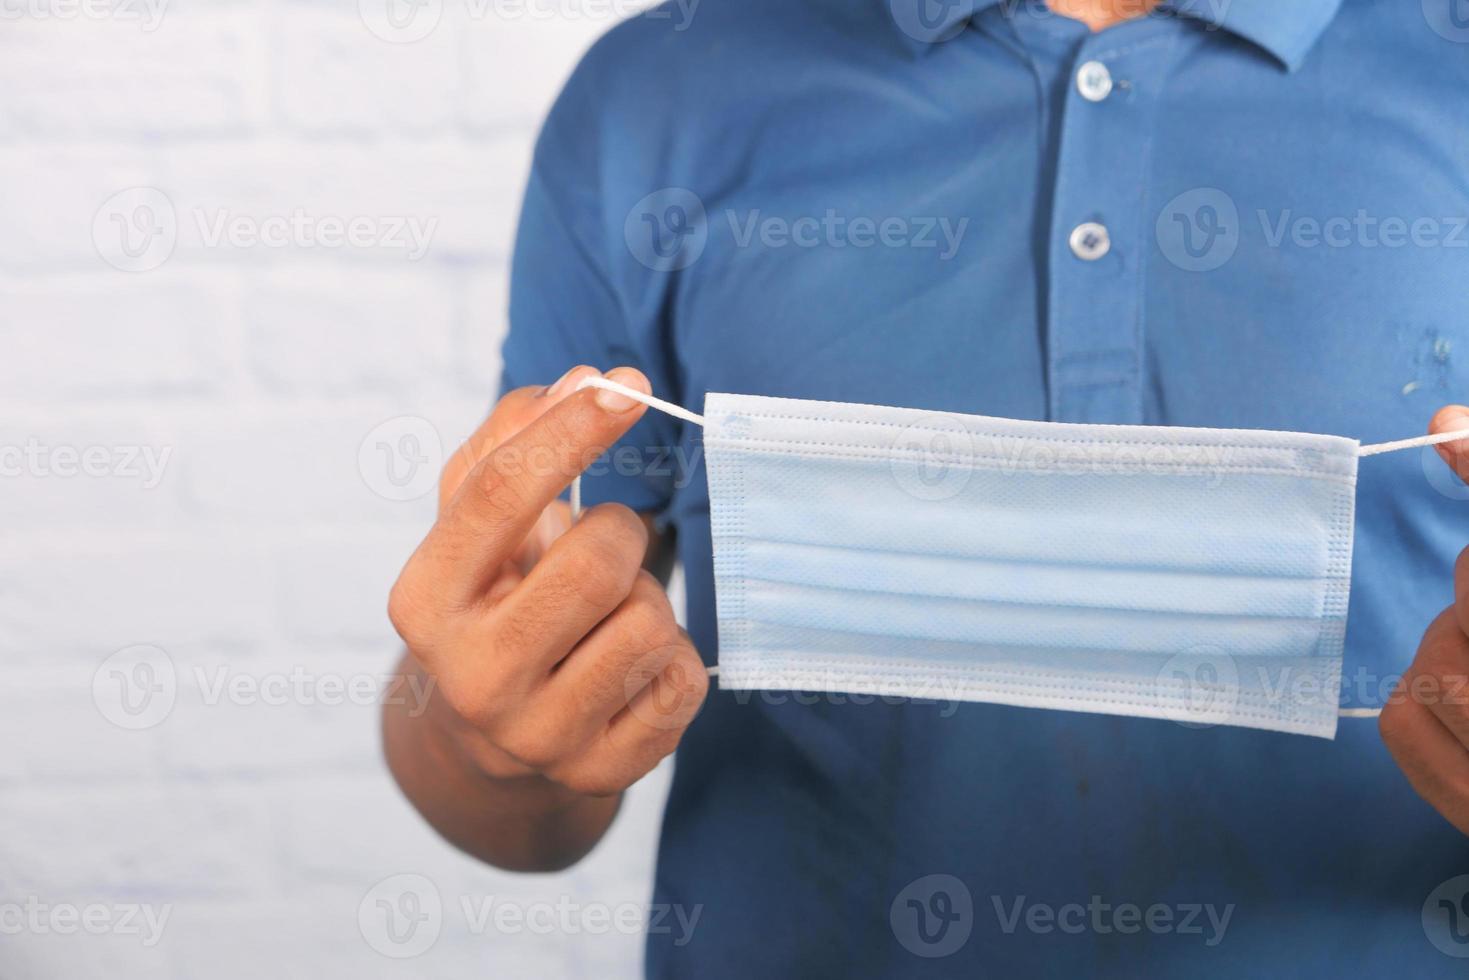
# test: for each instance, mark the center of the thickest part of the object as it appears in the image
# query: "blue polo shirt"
(1243, 214)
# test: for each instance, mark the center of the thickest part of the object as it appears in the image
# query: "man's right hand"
(558, 669)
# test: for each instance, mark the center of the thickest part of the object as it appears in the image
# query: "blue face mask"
(1198, 575)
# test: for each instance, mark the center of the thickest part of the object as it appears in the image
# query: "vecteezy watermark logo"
(933, 916)
(401, 458)
(406, 21)
(136, 229)
(1208, 15)
(298, 686)
(834, 230)
(844, 686)
(1199, 230)
(1103, 918)
(37, 460)
(139, 687)
(667, 230)
(39, 918)
(1448, 18)
(1362, 230)
(564, 917)
(136, 687)
(1446, 917)
(1199, 688)
(930, 458)
(679, 465)
(1011, 456)
(300, 229)
(661, 693)
(400, 21)
(931, 21)
(401, 916)
(1439, 476)
(147, 14)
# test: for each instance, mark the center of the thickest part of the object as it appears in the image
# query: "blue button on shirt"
(1249, 214)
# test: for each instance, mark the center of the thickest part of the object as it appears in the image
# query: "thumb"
(1453, 418)
(510, 415)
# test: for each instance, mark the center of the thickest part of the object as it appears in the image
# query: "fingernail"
(1450, 418)
(563, 384)
(612, 401)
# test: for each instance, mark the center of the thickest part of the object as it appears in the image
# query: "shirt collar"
(924, 22)
(1288, 29)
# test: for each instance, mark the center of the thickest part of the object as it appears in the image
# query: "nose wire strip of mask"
(679, 412)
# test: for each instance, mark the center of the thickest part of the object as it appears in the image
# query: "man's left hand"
(1426, 721)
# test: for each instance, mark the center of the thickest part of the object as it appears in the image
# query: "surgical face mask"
(1198, 575)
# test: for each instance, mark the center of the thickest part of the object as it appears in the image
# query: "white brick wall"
(182, 466)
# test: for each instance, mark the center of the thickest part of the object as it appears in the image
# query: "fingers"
(1461, 591)
(1438, 680)
(1453, 418)
(644, 733)
(588, 572)
(1425, 723)
(1432, 758)
(670, 699)
(616, 706)
(511, 414)
(502, 497)
(622, 655)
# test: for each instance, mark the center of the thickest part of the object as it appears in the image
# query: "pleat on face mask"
(1197, 575)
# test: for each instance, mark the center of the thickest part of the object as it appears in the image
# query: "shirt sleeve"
(565, 309)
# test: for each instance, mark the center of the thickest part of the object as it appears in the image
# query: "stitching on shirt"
(1144, 263)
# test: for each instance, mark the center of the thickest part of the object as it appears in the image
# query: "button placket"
(1094, 309)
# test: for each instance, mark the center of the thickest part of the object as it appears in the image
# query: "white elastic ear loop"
(677, 411)
(669, 408)
(1392, 447)
(1433, 440)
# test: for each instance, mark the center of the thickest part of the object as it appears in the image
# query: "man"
(1244, 214)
